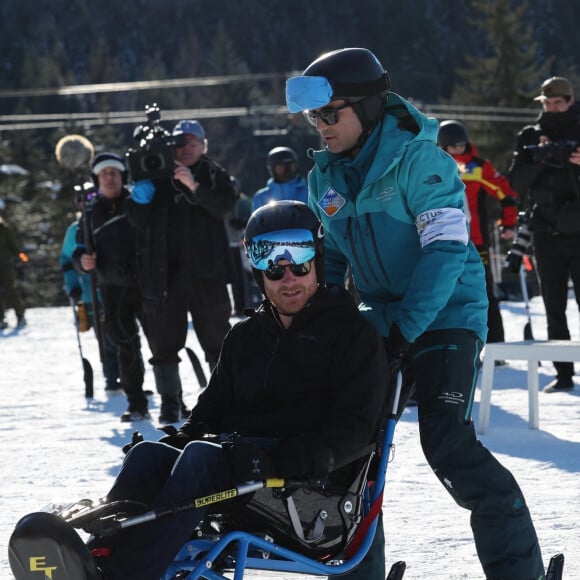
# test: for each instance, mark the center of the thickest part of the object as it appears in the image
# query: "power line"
(58, 120)
(138, 85)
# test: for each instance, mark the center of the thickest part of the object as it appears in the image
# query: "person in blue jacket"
(392, 205)
(78, 288)
(284, 182)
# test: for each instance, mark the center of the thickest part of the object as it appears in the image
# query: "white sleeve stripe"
(446, 223)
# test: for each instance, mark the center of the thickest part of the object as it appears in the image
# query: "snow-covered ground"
(57, 446)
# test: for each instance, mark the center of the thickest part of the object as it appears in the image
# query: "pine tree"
(507, 75)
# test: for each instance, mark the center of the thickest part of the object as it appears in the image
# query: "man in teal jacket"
(392, 205)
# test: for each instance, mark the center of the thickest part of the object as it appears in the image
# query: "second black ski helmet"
(450, 133)
(284, 230)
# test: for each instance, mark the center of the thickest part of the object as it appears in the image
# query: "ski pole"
(197, 368)
(528, 335)
(87, 368)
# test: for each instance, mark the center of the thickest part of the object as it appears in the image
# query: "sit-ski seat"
(304, 529)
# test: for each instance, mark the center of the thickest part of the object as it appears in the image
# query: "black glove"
(137, 438)
(173, 437)
(248, 461)
(76, 294)
(397, 347)
(513, 262)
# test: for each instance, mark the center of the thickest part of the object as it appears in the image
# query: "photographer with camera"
(546, 169)
(183, 252)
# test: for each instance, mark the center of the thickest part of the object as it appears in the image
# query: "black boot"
(559, 385)
(168, 385)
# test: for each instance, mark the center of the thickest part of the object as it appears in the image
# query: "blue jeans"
(162, 476)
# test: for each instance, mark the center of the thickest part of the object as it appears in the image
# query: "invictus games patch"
(331, 202)
(447, 223)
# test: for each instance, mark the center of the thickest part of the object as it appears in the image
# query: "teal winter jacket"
(396, 213)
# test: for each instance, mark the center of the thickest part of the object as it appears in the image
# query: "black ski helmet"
(357, 76)
(280, 155)
(450, 133)
(280, 217)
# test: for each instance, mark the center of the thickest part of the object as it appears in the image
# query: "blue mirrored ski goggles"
(296, 246)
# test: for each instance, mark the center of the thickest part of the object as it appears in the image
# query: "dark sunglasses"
(276, 272)
(329, 115)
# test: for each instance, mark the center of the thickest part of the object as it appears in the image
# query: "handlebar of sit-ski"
(388, 436)
(396, 395)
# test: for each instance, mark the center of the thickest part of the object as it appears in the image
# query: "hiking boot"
(559, 384)
(131, 416)
(21, 321)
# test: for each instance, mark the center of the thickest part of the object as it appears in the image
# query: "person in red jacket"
(481, 180)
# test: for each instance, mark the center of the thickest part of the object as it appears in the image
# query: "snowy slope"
(54, 445)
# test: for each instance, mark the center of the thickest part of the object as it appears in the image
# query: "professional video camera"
(521, 245)
(555, 151)
(155, 157)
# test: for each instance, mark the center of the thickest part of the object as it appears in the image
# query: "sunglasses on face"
(328, 115)
(276, 272)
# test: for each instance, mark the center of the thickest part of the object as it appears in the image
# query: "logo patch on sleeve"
(433, 179)
(331, 202)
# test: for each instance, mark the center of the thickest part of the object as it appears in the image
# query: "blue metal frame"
(241, 545)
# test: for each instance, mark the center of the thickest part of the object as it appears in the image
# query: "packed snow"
(57, 446)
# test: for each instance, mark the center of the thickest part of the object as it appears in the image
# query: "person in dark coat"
(184, 262)
(301, 381)
(113, 240)
(545, 171)
(9, 296)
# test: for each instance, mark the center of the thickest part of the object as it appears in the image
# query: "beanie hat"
(555, 87)
(189, 128)
(103, 160)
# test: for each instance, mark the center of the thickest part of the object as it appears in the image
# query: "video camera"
(557, 151)
(156, 154)
(521, 245)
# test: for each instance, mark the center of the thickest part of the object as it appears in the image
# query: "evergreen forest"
(90, 68)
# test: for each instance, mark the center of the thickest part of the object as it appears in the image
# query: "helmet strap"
(370, 112)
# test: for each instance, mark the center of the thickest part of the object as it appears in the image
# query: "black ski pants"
(123, 311)
(445, 365)
(208, 302)
(558, 259)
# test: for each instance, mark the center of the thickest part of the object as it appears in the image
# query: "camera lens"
(152, 163)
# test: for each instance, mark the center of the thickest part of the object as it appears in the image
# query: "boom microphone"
(74, 152)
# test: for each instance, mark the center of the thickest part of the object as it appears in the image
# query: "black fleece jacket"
(114, 242)
(317, 386)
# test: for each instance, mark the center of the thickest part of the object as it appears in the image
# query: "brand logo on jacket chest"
(386, 194)
(331, 202)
